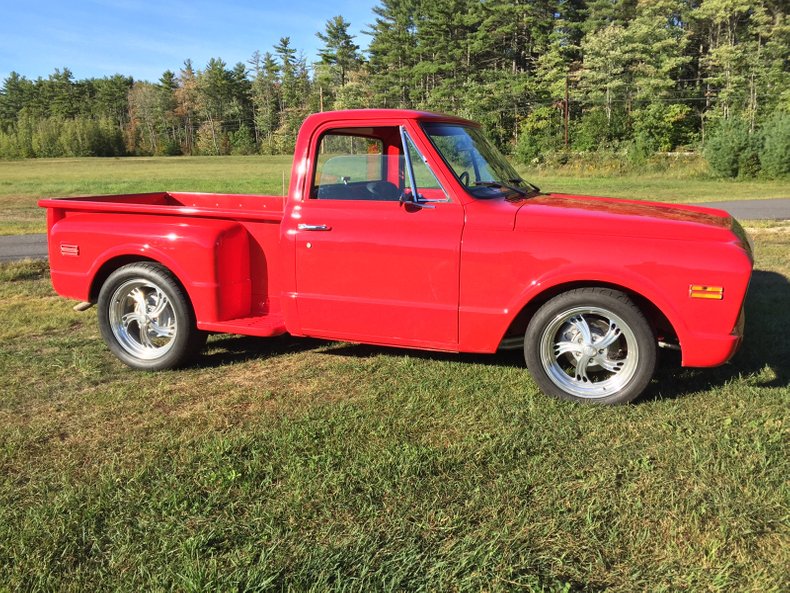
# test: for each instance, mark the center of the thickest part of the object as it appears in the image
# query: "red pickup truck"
(410, 229)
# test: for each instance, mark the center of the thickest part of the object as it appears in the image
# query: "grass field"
(295, 465)
(22, 183)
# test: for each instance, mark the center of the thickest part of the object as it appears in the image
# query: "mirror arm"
(404, 140)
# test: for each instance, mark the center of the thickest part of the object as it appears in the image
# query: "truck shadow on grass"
(225, 350)
(765, 351)
(766, 347)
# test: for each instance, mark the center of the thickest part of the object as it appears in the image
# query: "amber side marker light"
(700, 291)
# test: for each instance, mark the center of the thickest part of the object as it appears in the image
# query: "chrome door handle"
(313, 227)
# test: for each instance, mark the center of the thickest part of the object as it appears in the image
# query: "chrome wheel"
(146, 319)
(589, 352)
(142, 319)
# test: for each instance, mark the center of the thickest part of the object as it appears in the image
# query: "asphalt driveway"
(15, 247)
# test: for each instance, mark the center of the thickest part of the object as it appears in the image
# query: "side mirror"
(419, 202)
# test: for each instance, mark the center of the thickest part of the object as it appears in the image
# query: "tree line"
(543, 77)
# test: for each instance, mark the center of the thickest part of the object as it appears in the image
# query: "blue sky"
(96, 38)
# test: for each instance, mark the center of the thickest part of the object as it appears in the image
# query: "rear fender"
(209, 257)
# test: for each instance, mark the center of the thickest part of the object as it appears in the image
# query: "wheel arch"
(118, 261)
(662, 325)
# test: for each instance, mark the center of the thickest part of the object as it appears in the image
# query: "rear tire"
(591, 345)
(146, 319)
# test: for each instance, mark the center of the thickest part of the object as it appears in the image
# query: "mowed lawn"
(22, 183)
(292, 464)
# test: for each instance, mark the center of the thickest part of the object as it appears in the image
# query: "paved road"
(773, 209)
(15, 247)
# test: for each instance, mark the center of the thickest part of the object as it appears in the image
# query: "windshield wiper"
(521, 192)
(520, 181)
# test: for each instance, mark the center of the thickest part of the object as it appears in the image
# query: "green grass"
(22, 183)
(296, 464)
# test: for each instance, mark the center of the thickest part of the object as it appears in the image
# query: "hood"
(627, 218)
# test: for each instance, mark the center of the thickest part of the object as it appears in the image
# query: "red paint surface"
(453, 277)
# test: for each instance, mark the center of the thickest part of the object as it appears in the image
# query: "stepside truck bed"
(211, 243)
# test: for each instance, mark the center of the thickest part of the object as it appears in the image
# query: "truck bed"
(234, 206)
(227, 259)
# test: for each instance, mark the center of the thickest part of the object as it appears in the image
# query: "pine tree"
(289, 95)
(16, 92)
(240, 95)
(265, 98)
(167, 118)
(393, 52)
(607, 56)
(294, 95)
(111, 100)
(339, 49)
(563, 56)
(186, 96)
(725, 61)
(214, 99)
(143, 108)
(61, 94)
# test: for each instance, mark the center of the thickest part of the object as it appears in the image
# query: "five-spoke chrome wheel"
(146, 319)
(591, 344)
(142, 319)
(589, 352)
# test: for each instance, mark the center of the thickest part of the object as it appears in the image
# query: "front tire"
(146, 319)
(591, 345)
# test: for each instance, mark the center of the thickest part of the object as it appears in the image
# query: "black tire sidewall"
(614, 301)
(187, 336)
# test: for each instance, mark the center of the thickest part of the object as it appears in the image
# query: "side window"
(352, 167)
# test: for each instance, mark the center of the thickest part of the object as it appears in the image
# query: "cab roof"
(363, 115)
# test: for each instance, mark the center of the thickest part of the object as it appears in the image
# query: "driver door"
(368, 267)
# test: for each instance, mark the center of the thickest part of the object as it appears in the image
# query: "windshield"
(475, 161)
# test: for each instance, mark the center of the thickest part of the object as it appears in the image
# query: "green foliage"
(598, 129)
(540, 134)
(339, 49)
(730, 149)
(56, 137)
(284, 138)
(170, 147)
(89, 137)
(734, 151)
(46, 138)
(641, 75)
(663, 127)
(749, 160)
(775, 154)
(8, 146)
(210, 139)
(242, 141)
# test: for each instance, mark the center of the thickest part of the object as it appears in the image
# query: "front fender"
(495, 289)
(626, 280)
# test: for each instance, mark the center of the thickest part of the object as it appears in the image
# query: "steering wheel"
(382, 190)
(464, 178)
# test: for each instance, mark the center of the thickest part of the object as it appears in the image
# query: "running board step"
(264, 326)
